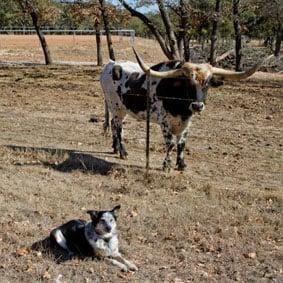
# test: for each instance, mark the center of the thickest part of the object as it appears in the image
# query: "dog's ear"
(115, 210)
(93, 214)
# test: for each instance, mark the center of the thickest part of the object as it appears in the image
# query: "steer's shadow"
(83, 162)
(65, 160)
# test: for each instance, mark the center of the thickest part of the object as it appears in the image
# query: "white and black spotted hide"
(173, 102)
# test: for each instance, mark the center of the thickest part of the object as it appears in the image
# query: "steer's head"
(200, 77)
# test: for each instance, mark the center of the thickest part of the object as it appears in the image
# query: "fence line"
(29, 30)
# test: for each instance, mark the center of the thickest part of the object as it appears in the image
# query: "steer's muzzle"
(197, 106)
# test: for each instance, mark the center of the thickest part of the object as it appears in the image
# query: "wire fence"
(49, 31)
(157, 141)
(135, 134)
(202, 130)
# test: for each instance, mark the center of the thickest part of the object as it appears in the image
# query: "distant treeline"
(173, 23)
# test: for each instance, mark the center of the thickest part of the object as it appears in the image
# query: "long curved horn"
(231, 75)
(161, 75)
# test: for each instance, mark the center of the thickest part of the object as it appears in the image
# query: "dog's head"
(104, 222)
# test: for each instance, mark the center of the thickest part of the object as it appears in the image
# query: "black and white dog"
(97, 238)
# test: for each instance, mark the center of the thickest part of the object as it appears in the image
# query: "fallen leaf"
(46, 275)
(22, 251)
(178, 280)
(133, 213)
(39, 254)
(252, 255)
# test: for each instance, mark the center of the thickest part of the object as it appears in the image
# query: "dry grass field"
(219, 221)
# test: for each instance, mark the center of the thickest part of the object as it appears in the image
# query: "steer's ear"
(216, 82)
(117, 73)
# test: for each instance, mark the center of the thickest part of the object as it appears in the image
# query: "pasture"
(219, 221)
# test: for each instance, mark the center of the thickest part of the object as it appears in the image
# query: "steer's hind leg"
(106, 117)
(181, 143)
(114, 137)
(117, 135)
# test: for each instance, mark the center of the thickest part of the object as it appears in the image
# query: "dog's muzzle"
(102, 230)
(197, 106)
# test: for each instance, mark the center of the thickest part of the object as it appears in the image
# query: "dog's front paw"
(133, 267)
(124, 268)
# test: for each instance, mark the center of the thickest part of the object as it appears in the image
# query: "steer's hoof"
(181, 166)
(115, 148)
(166, 167)
(105, 128)
(123, 155)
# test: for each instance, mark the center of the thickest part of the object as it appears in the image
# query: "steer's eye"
(193, 76)
(205, 87)
(206, 83)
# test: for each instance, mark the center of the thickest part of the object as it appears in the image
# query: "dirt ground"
(80, 48)
(219, 221)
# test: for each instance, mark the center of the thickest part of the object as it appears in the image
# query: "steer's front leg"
(181, 143)
(169, 144)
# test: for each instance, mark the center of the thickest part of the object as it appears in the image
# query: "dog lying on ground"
(97, 238)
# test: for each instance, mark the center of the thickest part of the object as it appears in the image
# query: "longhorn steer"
(178, 90)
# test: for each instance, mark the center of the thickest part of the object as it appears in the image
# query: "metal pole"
(148, 102)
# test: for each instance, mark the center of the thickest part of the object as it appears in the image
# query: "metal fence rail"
(30, 30)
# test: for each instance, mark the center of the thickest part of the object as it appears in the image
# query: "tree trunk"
(169, 30)
(214, 33)
(180, 43)
(279, 38)
(268, 42)
(238, 37)
(98, 45)
(184, 24)
(28, 6)
(44, 45)
(202, 43)
(107, 30)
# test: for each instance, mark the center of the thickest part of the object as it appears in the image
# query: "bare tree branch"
(169, 29)
(151, 27)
